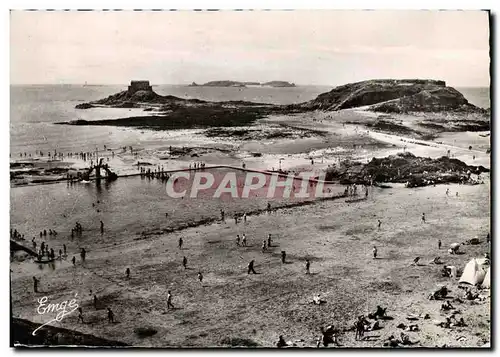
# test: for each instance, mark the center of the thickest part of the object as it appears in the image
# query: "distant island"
(227, 83)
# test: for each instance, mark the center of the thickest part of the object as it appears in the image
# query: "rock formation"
(391, 95)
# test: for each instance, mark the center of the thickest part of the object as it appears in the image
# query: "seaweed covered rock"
(405, 168)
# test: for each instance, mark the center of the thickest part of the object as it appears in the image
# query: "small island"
(228, 83)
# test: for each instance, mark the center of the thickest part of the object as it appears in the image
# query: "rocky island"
(414, 107)
(227, 83)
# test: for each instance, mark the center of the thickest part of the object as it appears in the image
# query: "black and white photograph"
(251, 179)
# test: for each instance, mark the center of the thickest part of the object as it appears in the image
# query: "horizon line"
(201, 85)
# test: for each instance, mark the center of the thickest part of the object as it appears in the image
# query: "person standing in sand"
(111, 316)
(35, 284)
(180, 242)
(264, 247)
(80, 315)
(250, 267)
(423, 217)
(244, 240)
(184, 263)
(269, 240)
(102, 227)
(200, 277)
(375, 251)
(308, 266)
(379, 223)
(439, 244)
(169, 300)
(83, 254)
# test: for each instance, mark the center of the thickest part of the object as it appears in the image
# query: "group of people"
(352, 190)
(14, 234)
(156, 173)
(197, 166)
(77, 230)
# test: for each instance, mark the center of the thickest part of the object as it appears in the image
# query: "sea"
(128, 206)
(35, 108)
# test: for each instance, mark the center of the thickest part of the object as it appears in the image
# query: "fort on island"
(139, 85)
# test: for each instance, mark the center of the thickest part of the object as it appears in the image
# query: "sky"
(322, 47)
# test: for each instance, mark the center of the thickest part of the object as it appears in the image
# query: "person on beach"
(283, 256)
(180, 242)
(268, 207)
(64, 249)
(42, 247)
(423, 217)
(72, 233)
(244, 218)
(102, 227)
(439, 244)
(35, 284)
(281, 342)
(379, 223)
(111, 316)
(83, 254)
(447, 192)
(184, 262)
(74, 260)
(60, 254)
(52, 254)
(269, 240)
(244, 240)
(235, 219)
(375, 252)
(169, 300)
(238, 240)
(222, 214)
(80, 315)
(127, 273)
(250, 267)
(44, 233)
(264, 246)
(34, 245)
(95, 302)
(200, 276)
(308, 266)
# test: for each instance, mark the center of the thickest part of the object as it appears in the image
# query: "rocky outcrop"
(405, 168)
(427, 100)
(126, 99)
(21, 334)
(391, 95)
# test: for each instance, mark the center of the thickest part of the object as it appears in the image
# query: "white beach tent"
(474, 272)
(486, 281)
